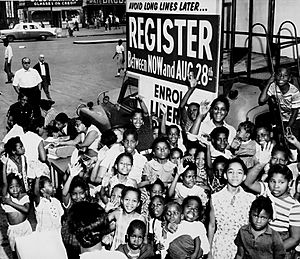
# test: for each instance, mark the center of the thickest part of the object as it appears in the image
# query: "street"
(78, 72)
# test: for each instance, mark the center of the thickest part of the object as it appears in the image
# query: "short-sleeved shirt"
(287, 101)
(267, 245)
(182, 192)
(287, 210)
(27, 78)
(154, 170)
(119, 49)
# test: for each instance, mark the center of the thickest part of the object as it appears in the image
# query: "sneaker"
(8, 82)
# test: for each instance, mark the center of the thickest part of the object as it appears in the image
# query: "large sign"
(166, 40)
(106, 2)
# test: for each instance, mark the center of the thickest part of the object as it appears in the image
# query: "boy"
(244, 146)
(288, 97)
(219, 140)
(257, 239)
(135, 248)
(188, 186)
(130, 142)
(173, 134)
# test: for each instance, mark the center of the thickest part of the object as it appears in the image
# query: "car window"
(25, 27)
(35, 27)
(129, 93)
(18, 27)
(31, 26)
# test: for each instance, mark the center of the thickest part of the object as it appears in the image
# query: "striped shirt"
(287, 210)
(287, 101)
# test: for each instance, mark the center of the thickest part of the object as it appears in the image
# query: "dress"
(231, 213)
(154, 170)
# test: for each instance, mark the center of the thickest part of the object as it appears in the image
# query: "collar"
(268, 230)
(42, 64)
(24, 70)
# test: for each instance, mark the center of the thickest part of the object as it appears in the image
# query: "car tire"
(10, 38)
(43, 37)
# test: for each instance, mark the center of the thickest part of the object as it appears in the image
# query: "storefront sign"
(106, 2)
(53, 3)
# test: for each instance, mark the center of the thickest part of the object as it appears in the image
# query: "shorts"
(18, 230)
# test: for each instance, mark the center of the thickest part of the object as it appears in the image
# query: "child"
(244, 145)
(159, 166)
(217, 181)
(135, 248)
(219, 141)
(15, 204)
(48, 209)
(230, 210)
(75, 190)
(173, 135)
(257, 239)
(202, 160)
(120, 57)
(189, 240)
(156, 210)
(130, 142)
(264, 135)
(288, 97)
(16, 162)
(89, 223)
(156, 132)
(141, 122)
(176, 156)
(188, 186)
(123, 166)
(157, 188)
(130, 202)
(287, 210)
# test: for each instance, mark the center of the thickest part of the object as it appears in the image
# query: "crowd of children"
(200, 189)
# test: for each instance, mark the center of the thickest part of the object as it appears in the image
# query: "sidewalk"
(84, 32)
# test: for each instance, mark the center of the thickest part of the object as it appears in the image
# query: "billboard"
(166, 40)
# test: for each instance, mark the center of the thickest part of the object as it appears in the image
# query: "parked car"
(28, 31)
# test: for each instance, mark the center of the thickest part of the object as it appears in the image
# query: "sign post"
(167, 39)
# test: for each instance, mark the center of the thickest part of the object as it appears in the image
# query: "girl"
(75, 190)
(130, 202)
(89, 223)
(155, 226)
(48, 210)
(176, 156)
(201, 159)
(123, 166)
(159, 166)
(16, 162)
(15, 205)
(286, 209)
(230, 209)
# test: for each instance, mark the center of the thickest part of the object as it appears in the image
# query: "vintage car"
(23, 31)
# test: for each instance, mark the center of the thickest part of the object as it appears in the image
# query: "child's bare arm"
(263, 97)
(4, 160)
(37, 196)
(22, 208)
(198, 251)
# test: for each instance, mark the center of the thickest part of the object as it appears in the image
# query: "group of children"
(179, 191)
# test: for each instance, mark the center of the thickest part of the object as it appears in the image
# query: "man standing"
(43, 68)
(28, 81)
(8, 54)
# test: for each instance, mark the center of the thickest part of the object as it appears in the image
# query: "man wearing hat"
(43, 68)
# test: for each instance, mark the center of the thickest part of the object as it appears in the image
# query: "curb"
(91, 35)
(97, 41)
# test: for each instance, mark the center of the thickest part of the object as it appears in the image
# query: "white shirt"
(103, 254)
(31, 142)
(137, 168)
(8, 53)
(94, 145)
(27, 78)
(43, 70)
(119, 49)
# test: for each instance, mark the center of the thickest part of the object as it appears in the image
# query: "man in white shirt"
(28, 81)
(8, 55)
(43, 68)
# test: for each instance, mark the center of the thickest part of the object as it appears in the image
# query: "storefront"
(101, 9)
(53, 12)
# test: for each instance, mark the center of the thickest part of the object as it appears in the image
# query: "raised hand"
(292, 139)
(4, 159)
(74, 169)
(265, 154)
(204, 108)
(192, 80)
